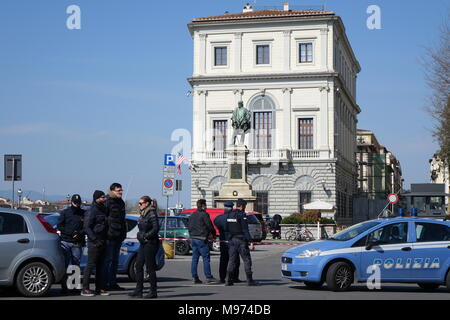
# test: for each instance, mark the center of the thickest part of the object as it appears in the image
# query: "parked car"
(31, 258)
(408, 250)
(254, 225)
(128, 250)
(176, 228)
(264, 224)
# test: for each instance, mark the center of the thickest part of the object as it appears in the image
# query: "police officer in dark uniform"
(221, 223)
(239, 238)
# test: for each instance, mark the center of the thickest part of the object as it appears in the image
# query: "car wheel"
(428, 286)
(339, 276)
(313, 285)
(34, 280)
(132, 271)
(182, 248)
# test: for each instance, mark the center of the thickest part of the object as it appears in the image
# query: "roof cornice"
(280, 20)
(266, 76)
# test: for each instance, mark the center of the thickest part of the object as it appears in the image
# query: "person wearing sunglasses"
(149, 244)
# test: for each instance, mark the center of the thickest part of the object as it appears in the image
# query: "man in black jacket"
(240, 236)
(117, 232)
(200, 228)
(96, 229)
(221, 223)
(70, 225)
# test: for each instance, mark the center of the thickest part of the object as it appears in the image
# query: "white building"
(296, 72)
(439, 173)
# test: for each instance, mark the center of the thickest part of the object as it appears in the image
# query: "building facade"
(379, 171)
(296, 72)
(439, 173)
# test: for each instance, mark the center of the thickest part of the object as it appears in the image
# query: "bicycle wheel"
(308, 236)
(290, 235)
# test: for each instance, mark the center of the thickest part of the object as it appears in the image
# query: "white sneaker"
(87, 293)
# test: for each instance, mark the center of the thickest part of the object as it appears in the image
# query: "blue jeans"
(200, 248)
(72, 255)
(111, 262)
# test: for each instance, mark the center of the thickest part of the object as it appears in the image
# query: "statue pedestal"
(236, 187)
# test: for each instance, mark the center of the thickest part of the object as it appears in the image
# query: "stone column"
(287, 50)
(238, 52)
(202, 54)
(324, 48)
(287, 115)
(323, 143)
(201, 125)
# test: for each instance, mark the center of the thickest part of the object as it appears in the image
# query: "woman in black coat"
(148, 237)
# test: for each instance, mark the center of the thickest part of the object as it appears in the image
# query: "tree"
(437, 70)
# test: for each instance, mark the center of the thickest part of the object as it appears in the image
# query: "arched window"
(262, 108)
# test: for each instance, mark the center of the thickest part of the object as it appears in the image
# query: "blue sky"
(92, 106)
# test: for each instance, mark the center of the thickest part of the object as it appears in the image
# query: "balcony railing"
(267, 154)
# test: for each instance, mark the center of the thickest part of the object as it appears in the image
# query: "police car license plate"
(284, 267)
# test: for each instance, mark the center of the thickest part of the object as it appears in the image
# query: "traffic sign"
(169, 160)
(13, 167)
(393, 198)
(169, 171)
(168, 186)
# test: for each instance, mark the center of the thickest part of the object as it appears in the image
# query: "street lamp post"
(19, 195)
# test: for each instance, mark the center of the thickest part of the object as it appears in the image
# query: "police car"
(409, 250)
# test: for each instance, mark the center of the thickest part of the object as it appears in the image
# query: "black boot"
(136, 294)
(250, 281)
(151, 295)
(229, 280)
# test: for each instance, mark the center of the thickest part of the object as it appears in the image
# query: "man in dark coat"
(221, 223)
(240, 237)
(70, 225)
(200, 228)
(117, 232)
(96, 230)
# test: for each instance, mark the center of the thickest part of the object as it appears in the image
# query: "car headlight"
(309, 253)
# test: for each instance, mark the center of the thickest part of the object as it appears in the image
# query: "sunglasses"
(141, 203)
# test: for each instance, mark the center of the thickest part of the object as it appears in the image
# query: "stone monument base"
(236, 187)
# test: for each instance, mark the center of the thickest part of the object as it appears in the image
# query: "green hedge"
(297, 218)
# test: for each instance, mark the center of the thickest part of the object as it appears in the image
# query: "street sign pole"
(168, 183)
(13, 178)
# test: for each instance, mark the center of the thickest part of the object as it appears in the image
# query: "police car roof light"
(413, 212)
(401, 212)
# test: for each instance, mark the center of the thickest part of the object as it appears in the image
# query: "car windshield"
(354, 231)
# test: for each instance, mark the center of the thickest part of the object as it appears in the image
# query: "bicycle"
(300, 233)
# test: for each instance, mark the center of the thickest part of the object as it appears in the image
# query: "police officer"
(70, 225)
(221, 223)
(239, 238)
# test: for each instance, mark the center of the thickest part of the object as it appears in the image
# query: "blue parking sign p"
(169, 160)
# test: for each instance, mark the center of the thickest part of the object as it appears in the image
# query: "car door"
(391, 251)
(15, 241)
(431, 251)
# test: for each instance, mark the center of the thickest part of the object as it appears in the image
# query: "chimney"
(286, 6)
(247, 8)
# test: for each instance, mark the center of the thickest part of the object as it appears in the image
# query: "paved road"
(175, 283)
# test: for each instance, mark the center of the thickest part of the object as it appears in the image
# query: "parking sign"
(169, 160)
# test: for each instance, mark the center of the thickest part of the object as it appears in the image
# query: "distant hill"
(33, 195)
